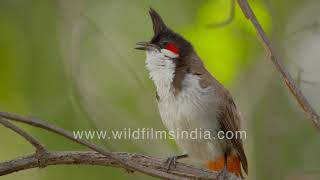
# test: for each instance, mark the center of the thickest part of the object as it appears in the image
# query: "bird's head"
(165, 44)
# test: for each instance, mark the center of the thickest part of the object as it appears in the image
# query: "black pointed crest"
(158, 25)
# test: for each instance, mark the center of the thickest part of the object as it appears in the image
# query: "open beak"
(145, 46)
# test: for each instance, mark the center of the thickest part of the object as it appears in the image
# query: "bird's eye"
(164, 44)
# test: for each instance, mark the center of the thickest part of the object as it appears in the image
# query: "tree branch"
(37, 145)
(294, 89)
(41, 152)
(131, 166)
(94, 158)
(131, 162)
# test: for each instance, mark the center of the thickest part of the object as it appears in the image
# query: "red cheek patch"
(171, 47)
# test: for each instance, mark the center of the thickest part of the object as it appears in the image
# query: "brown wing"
(229, 120)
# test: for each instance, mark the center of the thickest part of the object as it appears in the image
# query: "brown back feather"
(229, 117)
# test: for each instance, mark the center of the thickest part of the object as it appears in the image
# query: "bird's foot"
(173, 160)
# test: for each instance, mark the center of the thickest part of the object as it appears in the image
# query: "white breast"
(161, 71)
(192, 108)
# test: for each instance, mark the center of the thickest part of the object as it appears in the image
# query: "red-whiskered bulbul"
(189, 98)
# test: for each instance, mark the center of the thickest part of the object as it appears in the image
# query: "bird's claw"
(173, 160)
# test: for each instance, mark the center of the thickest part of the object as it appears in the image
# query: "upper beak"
(145, 46)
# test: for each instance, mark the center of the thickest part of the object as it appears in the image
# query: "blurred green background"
(72, 63)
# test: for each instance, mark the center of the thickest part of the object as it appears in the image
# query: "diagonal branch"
(41, 152)
(37, 145)
(294, 89)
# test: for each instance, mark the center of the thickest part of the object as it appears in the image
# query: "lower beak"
(145, 46)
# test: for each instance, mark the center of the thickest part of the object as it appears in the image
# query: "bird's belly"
(194, 125)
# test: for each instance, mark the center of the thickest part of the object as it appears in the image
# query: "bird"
(189, 97)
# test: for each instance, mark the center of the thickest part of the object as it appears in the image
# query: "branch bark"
(41, 151)
(131, 162)
(309, 111)
(129, 165)
(37, 145)
(93, 158)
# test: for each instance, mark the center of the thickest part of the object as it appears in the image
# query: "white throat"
(161, 71)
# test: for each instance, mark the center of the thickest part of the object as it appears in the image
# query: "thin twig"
(37, 145)
(228, 20)
(300, 80)
(41, 152)
(294, 89)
